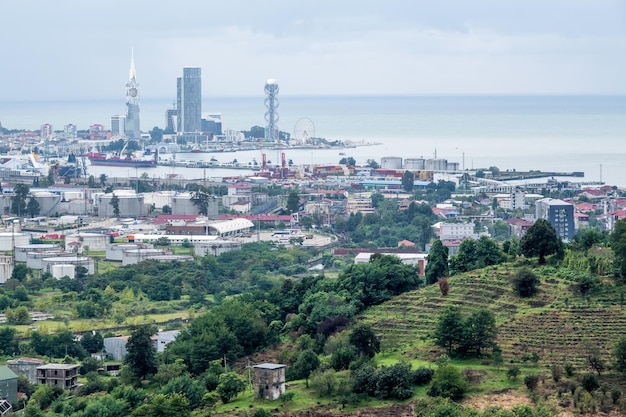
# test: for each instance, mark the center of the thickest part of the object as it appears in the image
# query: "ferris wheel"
(304, 131)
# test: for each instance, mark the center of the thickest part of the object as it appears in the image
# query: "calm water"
(557, 133)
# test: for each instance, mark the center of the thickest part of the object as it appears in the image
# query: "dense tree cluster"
(465, 334)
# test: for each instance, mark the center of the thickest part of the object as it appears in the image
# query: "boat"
(97, 158)
(131, 161)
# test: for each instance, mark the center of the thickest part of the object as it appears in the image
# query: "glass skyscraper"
(189, 100)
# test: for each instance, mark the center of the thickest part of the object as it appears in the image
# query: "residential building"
(454, 231)
(360, 204)
(269, 381)
(26, 367)
(116, 347)
(58, 375)
(189, 100)
(560, 215)
(118, 124)
(8, 385)
(164, 338)
(415, 259)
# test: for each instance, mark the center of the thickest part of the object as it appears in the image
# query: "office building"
(189, 100)
(212, 123)
(118, 124)
(560, 215)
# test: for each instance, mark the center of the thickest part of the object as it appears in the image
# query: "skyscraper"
(131, 126)
(189, 100)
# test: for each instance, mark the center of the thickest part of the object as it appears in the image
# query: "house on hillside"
(8, 385)
(269, 381)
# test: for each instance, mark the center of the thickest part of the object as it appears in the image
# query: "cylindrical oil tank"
(9, 239)
(134, 256)
(391, 162)
(114, 252)
(34, 259)
(22, 250)
(59, 271)
(170, 258)
(411, 164)
(47, 263)
(48, 202)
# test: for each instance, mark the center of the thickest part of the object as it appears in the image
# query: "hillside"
(554, 324)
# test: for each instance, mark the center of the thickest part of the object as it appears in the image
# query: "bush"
(531, 381)
(394, 382)
(590, 382)
(448, 383)
(557, 372)
(525, 283)
(423, 375)
(512, 372)
(569, 370)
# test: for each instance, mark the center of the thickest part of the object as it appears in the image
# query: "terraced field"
(554, 324)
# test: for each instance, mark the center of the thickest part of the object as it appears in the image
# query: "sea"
(564, 133)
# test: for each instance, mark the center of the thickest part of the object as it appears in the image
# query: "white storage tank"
(48, 202)
(411, 164)
(391, 162)
(8, 240)
(170, 258)
(22, 250)
(95, 241)
(47, 263)
(6, 268)
(115, 250)
(33, 259)
(134, 256)
(59, 271)
(216, 247)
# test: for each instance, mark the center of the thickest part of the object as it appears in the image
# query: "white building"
(454, 231)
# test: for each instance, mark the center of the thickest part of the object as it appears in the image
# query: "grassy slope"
(553, 324)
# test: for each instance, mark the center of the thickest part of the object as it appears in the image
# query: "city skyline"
(77, 50)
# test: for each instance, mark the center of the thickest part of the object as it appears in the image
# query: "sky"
(80, 50)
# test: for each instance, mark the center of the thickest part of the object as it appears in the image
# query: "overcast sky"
(77, 49)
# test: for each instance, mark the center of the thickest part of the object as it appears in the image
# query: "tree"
(348, 161)
(620, 355)
(230, 385)
(617, 240)
(18, 201)
(365, 340)
(141, 355)
(408, 181)
(540, 240)
(20, 272)
(449, 330)
(437, 266)
(91, 182)
(306, 363)
(525, 283)
(156, 134)
(371, 163)
(164, 406)
(293, 202)
(115, 203)
(103, 179)
(200, 199)
(32, 208)
(167, 209)
(479, 331)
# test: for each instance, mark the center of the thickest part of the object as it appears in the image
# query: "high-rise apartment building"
(118, 124)
(560, 215)
(189, 100)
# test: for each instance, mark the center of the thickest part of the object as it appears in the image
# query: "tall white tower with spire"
(132, 129)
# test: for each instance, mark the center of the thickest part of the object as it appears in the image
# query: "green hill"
(555, 324)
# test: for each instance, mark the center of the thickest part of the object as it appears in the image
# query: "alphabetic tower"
(271, 115)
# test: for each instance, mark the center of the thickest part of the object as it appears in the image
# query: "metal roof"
(231, 225)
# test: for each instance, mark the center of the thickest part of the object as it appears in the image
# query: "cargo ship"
(100, 159)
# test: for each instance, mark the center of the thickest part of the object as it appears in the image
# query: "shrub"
(448, 383)
(394, 382)
(444, 286)
(557, 372)
(512, 372)
(569, 369)
(525, 283)
(590, 382)
(531, 381)
(423, 375)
